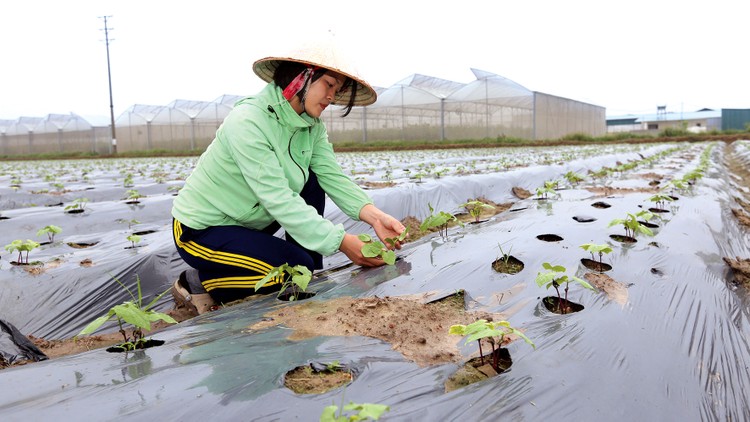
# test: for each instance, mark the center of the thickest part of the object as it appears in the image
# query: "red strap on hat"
(298, 82)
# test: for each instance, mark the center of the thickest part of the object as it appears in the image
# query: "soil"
(507, 265)
(615, 290)
(521, 193)
(310, 380)
(417, 330)
(741, 269)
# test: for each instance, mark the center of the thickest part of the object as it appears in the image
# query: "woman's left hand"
(385, 226)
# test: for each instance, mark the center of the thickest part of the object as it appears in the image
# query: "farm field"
(662, 334)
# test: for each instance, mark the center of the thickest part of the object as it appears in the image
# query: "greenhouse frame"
(419, 108)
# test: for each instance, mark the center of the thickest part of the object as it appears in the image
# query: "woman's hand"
(385, 226)
(351, 246)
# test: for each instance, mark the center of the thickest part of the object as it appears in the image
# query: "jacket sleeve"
(346, 194)
(250, 144)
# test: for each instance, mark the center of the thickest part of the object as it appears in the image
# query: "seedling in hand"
(374, 248)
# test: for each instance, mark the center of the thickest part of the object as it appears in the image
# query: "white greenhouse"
(418, 107)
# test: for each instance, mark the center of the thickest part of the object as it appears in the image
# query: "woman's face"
(322, 92)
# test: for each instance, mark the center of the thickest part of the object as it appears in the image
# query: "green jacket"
(253, 171)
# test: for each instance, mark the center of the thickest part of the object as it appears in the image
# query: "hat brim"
(365, 95)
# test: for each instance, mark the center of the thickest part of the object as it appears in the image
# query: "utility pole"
(109, 77)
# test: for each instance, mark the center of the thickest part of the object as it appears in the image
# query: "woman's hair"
(287, 71)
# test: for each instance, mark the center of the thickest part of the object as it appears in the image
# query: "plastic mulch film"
(667, 339)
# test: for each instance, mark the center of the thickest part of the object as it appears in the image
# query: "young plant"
(400, 238)
(439, 221)
(598, 249)
(134, 313)
(505, 256)
(363, 411)
(631, 225)
(660, 200)
(555, 277)
(133, 238)
(22, 246)
(78, 204)
(374, 248)
(547, 189)
(133, 195)
(475, 208)
(130, 222)
(573, 178)
(493, 332)
(50, 231)
(297, 278)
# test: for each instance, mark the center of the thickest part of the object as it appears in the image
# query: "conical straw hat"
(325, 55)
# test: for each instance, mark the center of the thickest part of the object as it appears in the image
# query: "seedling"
(631, 225)
(133, 238)
(573, 178)
(475, 208)
(555, 277)
(131, 312)
(439, 221)
(547, 189)
(297, 278)
(494, 332)
(128, 181)
(133, 195)
(79, 204)
(363, 411)
(130, 222)
(660, 200)
(400, 238)
(505, 256)
(50, 231)
(598, 249)
(22, 246)
(373, 248)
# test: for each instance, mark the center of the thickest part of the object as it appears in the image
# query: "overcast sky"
(626, 56)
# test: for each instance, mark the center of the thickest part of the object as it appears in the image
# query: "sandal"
(198, 303)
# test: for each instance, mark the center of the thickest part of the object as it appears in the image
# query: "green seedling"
(134, 313)
(505, 256)
(133, 238)
(597, 249)
(364, 411)
(374, 248)
(400, 238)
(660, 200)
(130, 222)
(128, 181)
(692, 176)
(78, 204)
(547, 189)
(333, 366)
(475, 208)
(133, 195)
(438, 221)
(22, 246)
(297, 278)
(493, 332)
(631, 225)
(50, 231)
(555, 277)
(573, 178)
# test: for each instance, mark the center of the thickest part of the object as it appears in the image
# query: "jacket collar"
(272, 94)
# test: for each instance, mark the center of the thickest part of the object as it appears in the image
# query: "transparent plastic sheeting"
(59, 302)
(675, 349)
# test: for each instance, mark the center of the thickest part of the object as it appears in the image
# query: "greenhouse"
(418, 107)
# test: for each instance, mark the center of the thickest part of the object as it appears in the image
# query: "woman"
(269, 167)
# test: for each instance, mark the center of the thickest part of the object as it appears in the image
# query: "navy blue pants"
(231, 259)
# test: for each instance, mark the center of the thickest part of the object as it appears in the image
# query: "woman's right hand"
(351, 246)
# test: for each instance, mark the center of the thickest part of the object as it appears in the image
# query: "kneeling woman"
(270, 167)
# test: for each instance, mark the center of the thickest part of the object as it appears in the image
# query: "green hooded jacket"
(253, 171)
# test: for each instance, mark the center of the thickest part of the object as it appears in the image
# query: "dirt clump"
(417, 330)
(741, 269)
